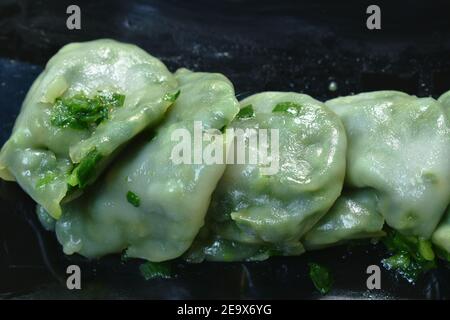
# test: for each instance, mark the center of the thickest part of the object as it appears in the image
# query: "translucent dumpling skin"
(441, 237)
(398, 145)
(173, 198)
(274, 211)
(91, 98)
(445, 101)
(207, 248)
(353, 216)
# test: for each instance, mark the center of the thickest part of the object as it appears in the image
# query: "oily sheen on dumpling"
(444, 99)
(254, 214)
(441, 236)
(173, 197)
(354, 215)
(90, 100)
(398, 145)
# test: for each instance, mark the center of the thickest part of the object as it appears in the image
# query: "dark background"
(260, 45)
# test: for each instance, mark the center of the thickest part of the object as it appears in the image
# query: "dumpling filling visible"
(254, 214)
(122, 156)
(91, 98)
(147, 204)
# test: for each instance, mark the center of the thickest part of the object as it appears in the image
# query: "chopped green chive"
(82, 173)
(82, 112)
(289, 107)
(133, 198)
(112, 100)
(426, 249)
(46, 179)
(171, 97)
(321, 277)
(397, 261)
(411, 256)
(246, 112)
(153, 270)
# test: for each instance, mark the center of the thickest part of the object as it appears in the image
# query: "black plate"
(260, 45)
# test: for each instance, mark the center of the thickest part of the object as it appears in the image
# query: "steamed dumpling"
(441, 237)
(209, 247)
(255, 212)
(168, 200)
(445, 101)
(91, 98)
(398, 145)
(353, 216)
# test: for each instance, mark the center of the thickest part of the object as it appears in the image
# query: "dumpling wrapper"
(38, 150)
(353, 216)
(272, 212)
(444, 99)
(398, 145)
(207, 248)
(441, 236)
(174, 198)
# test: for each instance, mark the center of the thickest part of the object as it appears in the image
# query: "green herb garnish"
(82, 112)
(46, 179)
(425, 248)
(411, 256)
(289, 107)
(246, 112)
(82, 173)
(321, 277)
(133, 198)
(153, 270)
(171, 97)
(110, 99)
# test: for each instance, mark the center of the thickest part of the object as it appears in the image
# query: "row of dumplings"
(93, 146)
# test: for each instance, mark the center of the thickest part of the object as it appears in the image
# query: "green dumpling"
(147, 203)
(215, 248)
(441, 236)
(353, 216)
(271, 212)
(398, 145)
(444, 99)
(91, 98)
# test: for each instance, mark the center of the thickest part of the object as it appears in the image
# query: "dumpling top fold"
(90, 100)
